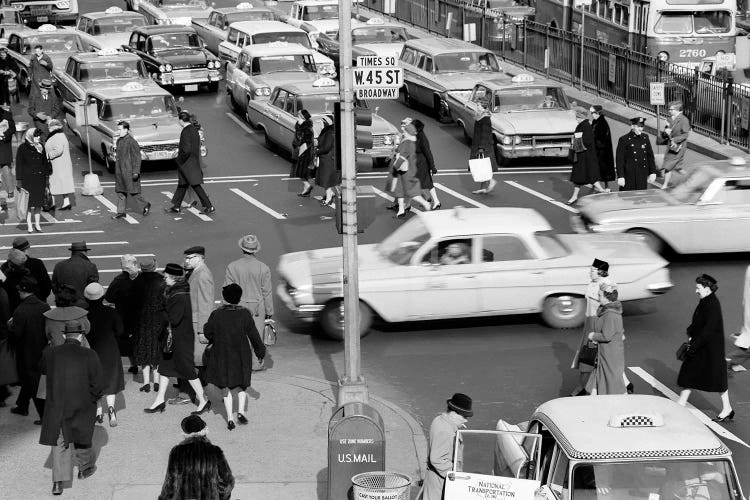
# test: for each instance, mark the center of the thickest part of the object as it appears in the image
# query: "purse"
(588, 353)
(169, 343)
(269, 334)
(49, 201)
(682, 351)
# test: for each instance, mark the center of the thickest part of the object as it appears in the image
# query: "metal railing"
(716, 106)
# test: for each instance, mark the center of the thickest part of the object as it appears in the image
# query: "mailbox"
(356, 444)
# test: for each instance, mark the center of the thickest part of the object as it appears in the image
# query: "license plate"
(160, 155)
(553, 151)
(191, 88)
(42, 19)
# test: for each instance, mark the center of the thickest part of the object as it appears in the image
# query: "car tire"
(651, 240)
(213, 86)
(331, 319)
(564, 311)
(107, 163)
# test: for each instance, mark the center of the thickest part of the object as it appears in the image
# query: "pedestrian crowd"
(68, 359)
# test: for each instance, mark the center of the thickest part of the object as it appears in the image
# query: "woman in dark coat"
(230, 362)
(179, 363)
(585, 170)
(14, 270)
(483, 145)
(327, 176)
(705, 367)
(151, 324)
(32, 171)
(425, 164)
(7, 132)
(302, 151)
(106, 327)
(603, 143)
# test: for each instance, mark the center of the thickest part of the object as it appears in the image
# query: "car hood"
(59, 59)
(112, 40)
(613, 248)
(379, 49)
(597, 205)
(382, 126)
(159, 129)
(273, 80)
(325, 265)
(321, 59)
(536, 122)
(325, 25)
(182, 57)
(464, 80)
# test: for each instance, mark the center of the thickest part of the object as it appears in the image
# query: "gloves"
(621, 181)
(433, 171)
(651, 178)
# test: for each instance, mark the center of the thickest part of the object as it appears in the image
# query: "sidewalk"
(280, 455)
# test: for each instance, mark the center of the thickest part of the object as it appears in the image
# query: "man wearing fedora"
(442, 438)
(634, 159)
(73, 388)
(40, 68)
(44, 106)
(36, 268)
(255, 279)
(77, 271)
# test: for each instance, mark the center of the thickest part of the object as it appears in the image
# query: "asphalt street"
(509, 365)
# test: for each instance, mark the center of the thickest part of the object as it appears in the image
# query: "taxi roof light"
(375, 20)
(113, 10)
(108, 52)
(324, 82)
(132, 87)
(46, 27)
(637, 420)
(522, 78)
(278, 43)
(244, 5)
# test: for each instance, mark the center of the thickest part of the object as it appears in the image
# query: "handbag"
(169, 343)
(269, 334)
(682, 351)
(480, 168)
(22, 204)
(588, 353)
(49, 201)
(572, 155)
(578, 145)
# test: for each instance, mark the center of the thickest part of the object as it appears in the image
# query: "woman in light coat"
(741, 351)
(608, 376)
(61, 183)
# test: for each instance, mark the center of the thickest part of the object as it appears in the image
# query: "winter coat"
(705, 368)
(327, 176)
(51, 107)
(603, 146)
(58, 153)
(73, 390)
(6, 138)
(121, 293)
(106, 327)
(28, 332)
(128, 164)
(408, 184)
(151, 316)
(56, 319)
(483, 142)
(38, 71)
(180, 362)
(32, 170)
(680, 126)
(586, 165)
(197, 469)
(201, 283)
(610, 361)
(13, 275)
(440, 456)
(189, 169)
(77, 271)
(39, 272)
(230, 361)
(303, 134)
(425, 161)
(255, 279)
(634, 161)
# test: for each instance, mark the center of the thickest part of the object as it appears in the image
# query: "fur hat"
(232, 293)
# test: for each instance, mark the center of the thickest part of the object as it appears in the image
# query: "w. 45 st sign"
(377, 77)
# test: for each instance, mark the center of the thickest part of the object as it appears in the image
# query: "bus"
(681, 32)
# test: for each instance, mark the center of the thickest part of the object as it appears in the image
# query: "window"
(734, 192)
(280, 99)
(289, 106)
(426, 64)
(481, 95)
(504, 247)
(559, 479)
(408, 56)
(401, 244)
(232, 36)
(466, 62)
(450, 252)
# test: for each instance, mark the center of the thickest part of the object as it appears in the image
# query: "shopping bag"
(22, 204)
(91, 185)
(481, 169)
(269, 334)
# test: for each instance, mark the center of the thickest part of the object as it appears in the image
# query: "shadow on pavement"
(568, 376)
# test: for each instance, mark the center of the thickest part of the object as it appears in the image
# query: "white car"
(110, 28)
(466, 263)
(172, 11)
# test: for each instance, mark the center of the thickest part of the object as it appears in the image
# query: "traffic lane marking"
(391, 198)
(541, 196)
(113, 208)
(58, 233)
(190, 209)
(54, 245)
(714, 426)
(258, 204)
(241, 123)
(459, 195)
(117, 256)
(111, 271)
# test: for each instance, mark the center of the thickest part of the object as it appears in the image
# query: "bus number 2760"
(692, 53)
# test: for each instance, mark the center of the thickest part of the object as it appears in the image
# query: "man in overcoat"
(128, 171)
(122, 293)
(73, 388)
(27, 328)
(44, 106)
(40, 68)
(635, 158)
(77, 271)
(36, 268)
(675, 136)
(201, 282)
(189, 172)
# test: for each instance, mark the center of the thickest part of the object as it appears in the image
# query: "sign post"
(657, 98)
(581, 4)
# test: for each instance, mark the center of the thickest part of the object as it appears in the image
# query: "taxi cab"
(437, 67)
(314, 16)
(265, 66)
(58, 43)
(110, 28)
(530, 118)
(277, 115)
(150, 110)
(469, 262)
(705, 210)
(214, 30)
(38, 12)
(246, 33)
(175, 56)
(373, 38)
(171, 11)
(615, 446)
(10, 20)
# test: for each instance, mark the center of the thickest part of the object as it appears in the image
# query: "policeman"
(635, 158)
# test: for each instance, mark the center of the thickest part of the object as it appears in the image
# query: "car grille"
(547, 141)
(378, 141)
(191, 73)
(152, 148)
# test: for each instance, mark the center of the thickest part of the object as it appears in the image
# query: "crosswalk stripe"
(541, 196)
(460, 196)
(54, 245)
(192, 210)
(391, 198)
(258, 204)
(113, 208)
(117, 256)
(58, 233)
(48, 217)
(111, 271)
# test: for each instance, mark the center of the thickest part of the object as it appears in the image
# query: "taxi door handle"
(537, 272)
(471, 276)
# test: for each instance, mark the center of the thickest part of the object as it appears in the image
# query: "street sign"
(657, 97)
(745, 114)
(377, 77)
(725, 61)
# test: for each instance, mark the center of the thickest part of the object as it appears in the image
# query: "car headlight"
(327, 68)
(213, 64)
(260, 91)
(63, 4)
(168, 67)
(387, 140)
(507, 140)
(17, 6)
(663, 56)
(162, 68)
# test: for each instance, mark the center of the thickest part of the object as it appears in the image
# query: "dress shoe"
(99, 418)
(156, 386)
(726, 418)
(203, 410)
(57, 488)
(230, 425)
(193, 204)
(241, 418)
(38, 229)
(83, 474)
(400, 215)
(305, 193)
(208, 210)
(437, 206)
(572, 201)
(147, 209)
(145, 388)
(19, 411)
(112, 417)
(118, 216)
(630, 388)
(392, 207)
(172, 210)
(66, 207)
(158, 408)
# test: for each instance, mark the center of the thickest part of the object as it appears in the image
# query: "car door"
(240, 77)
(510, 275)
(273, 113)
(720, 218)
(424, 88)
(286, 122)
(468, 111)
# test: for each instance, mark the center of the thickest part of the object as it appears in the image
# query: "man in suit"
(189, 172)
(674, 135)
(634, 159)
(36, 268)
(40, 68)
(77, 271)
(73, 389)
(44, 106)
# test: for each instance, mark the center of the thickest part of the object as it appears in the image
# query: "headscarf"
(29, 138)
(743, 339)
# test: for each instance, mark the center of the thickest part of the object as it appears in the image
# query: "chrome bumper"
(304, 312)
(190, 76)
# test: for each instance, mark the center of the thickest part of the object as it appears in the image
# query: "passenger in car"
(456, 253)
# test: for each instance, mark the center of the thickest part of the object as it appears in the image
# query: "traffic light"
(362, 137)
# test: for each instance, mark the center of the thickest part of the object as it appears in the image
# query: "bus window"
(678, 23)
(712, 22)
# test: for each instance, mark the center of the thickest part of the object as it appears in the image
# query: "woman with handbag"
(148, 293)
(585, 171)
(61, 183)
(608, 376)
(483, 146)
(426, 166)
(229, 363)
(405, 166)
(674, 135)
(327, 176)
(32, 171)
(177, 359)
(705, 367)
(7, 132)
(302, 152)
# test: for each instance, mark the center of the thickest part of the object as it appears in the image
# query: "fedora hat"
(79, 246)
(461, 404)
(173, 269)
(73, 328)
(46, 83)
(249, 243)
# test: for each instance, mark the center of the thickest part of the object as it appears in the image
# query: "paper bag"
(22, 204)
(481, 169)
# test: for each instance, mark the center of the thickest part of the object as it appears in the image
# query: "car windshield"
(552, 247)
(318, 12)
(401, 244)
(117, 25)
(138, 107)
(529, 98)
(112, 70)
(466, 62)
(379, 34)
(687, 23)
(276, 64)
(250, 15)
(169, 41)
(283, 36)
(689, 187)
(317, 104)
(645, 480)
(181, 3)
(60, 42)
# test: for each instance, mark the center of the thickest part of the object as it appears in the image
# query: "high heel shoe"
(158, 408)
(437, 207)
(726, 418)
(37, 229)
(572, 202)
(305, 193)
(201, 411)
(630, 388)
(230, 425)
(241, 418)
(66, 207)
(145, 388)
(156, 386)
(400, 215)
(112, 417)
